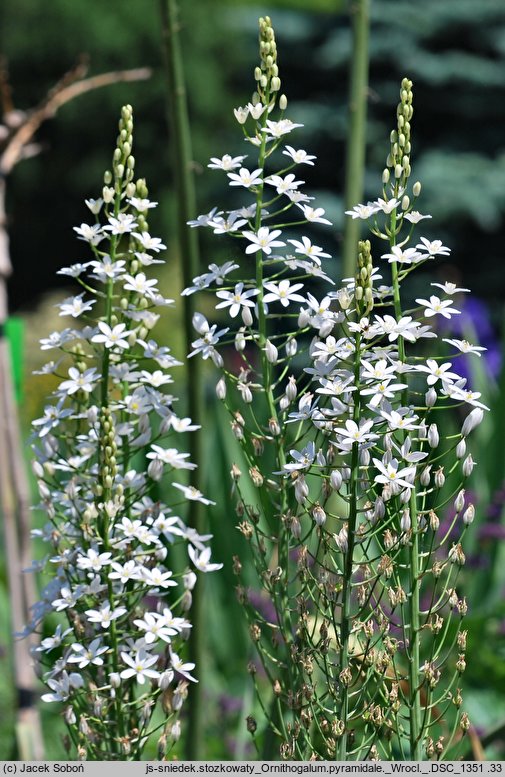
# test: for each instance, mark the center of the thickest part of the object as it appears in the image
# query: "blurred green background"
(454, 51)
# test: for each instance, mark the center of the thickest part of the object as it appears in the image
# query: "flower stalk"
(337, 410)
(119, 595)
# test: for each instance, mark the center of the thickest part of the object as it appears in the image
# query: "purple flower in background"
(474, 323)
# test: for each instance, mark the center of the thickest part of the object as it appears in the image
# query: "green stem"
(415, 716)
(345, 622)
(275, 715)
(189, 257)
(356, 137)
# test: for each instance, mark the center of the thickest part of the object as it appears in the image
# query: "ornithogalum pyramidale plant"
(355, 614)
(110, 475)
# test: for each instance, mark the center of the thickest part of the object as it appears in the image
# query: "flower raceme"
(111, 539)
(337, 417)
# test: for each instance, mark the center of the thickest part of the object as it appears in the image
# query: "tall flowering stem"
(118, 590)
(336, 413)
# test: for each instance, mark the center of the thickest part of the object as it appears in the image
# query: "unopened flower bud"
(469, 515)
(364, 457)
(303, 318)
(385, 176)
(115, 679)
(155, 469)
(433, 436)
(405, 496)
(405, 202)
(247, 316)
(461, 448)
(416, 189)
(291, 389)
(221, 389)
(468, 466)
(217, 358)
(405, 522)
(107, 194)
(472, 420)
(379, 509)
(459, 502)
(284, 402)
(439, 477)
(283, 102)
(240, 341)
(271, 352)
(296, 528)
(165, 679)
(430, 397)
(336, 479)
(291, 347)
(318, 515)
(425, 476)
(175, 731)
(301, 489)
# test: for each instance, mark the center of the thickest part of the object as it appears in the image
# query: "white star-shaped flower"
(75, 306)
(435, 306)
(148, 242)
(236, 299)
(464, 346)
(433, 248)
(402, 255)
(263, 240)
(306, 248)
(112, 337)
(315, 215)
(139, 666)
(202, 560)
(246, 178)
(283, 292)
(299, 156)
(436, 371)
